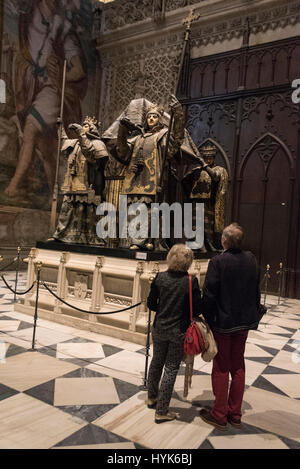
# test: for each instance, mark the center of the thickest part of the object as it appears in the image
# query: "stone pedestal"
(97, 280)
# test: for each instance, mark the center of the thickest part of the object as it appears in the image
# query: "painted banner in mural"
(38, 36)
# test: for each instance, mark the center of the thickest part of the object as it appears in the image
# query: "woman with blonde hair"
(169, 298)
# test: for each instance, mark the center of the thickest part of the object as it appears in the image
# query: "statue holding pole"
(83, 184)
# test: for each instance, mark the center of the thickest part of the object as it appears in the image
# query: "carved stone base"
(95, 284)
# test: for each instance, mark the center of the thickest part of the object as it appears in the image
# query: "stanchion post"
(17, 272)
(147, 350)
(283, 290)
(151, 278)
(279, 272)
(39, 268)
(267, 276)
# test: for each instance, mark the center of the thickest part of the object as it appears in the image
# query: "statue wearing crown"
(210, 187)
(83, 184)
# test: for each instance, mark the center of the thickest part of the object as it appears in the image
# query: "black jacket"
(169, 297)
(231, 294)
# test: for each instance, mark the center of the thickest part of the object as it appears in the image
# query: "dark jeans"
(167, 353)
(230, 359)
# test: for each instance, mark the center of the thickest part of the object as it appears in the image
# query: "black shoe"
(208, 418)
(234, 422)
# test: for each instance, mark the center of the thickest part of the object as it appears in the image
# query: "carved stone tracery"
(80, 287)
(122, 13)
(153, 70)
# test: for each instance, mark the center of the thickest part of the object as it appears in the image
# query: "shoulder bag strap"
(191, 297)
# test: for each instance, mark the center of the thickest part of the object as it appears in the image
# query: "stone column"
(61, 280)
(97, 293)
(136, 296)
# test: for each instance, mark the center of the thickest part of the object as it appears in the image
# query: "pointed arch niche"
(266, 181)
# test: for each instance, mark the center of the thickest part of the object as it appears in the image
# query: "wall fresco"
(37, 36)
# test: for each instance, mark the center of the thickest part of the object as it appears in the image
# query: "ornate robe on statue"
(181, 164)
(183, 158)
(147, 150)
(83, 187)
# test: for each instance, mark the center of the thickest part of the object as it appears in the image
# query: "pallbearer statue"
(209, 186)
(137, 141)
(144, 156)
(83, 184)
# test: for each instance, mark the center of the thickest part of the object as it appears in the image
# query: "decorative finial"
(190, 19)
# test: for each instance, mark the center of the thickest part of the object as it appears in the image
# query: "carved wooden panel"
(214, 77)
(265, 66)
(264, 205)
(241, 100)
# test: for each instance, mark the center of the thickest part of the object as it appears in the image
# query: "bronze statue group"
(145, 157)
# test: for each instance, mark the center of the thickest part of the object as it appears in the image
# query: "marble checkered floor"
(84, 390)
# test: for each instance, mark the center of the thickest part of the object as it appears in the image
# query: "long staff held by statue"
(188, 22)
(55, 190)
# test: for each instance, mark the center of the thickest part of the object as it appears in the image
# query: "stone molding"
(122, 13)
(215, 25)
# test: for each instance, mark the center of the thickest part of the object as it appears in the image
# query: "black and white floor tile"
(82, 390)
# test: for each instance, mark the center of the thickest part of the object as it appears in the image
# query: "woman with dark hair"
(169, 298)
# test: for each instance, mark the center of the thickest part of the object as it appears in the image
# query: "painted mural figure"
(143, 157)
(210, 188)
(47, 36)
(83, 184)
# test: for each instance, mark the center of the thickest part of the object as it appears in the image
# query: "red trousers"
(229, 359)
